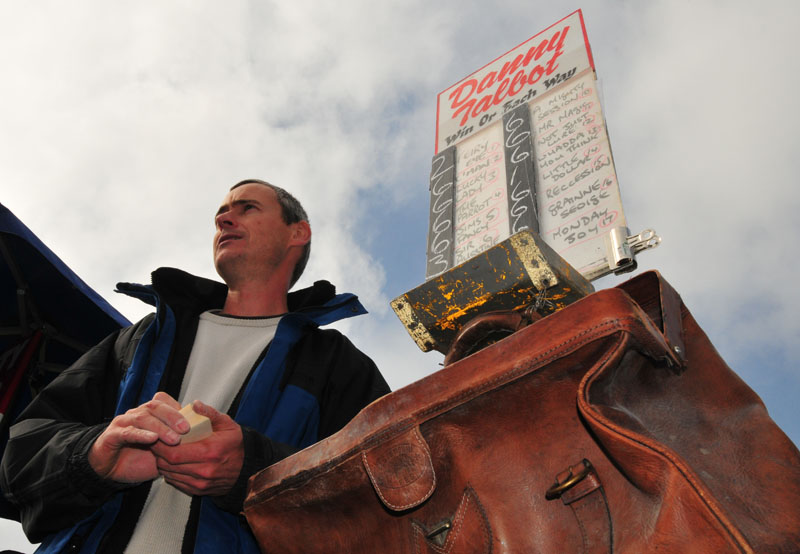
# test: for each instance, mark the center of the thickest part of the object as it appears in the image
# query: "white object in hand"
(200, 425)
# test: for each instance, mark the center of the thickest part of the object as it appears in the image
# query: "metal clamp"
(644, 241)
(621, 250)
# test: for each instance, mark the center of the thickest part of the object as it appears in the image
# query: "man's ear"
(301, 233)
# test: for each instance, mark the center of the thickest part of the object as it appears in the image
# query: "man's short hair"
(291, 212)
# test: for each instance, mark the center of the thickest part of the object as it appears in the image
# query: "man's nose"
(225, 219)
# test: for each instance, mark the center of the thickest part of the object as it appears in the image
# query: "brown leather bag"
(610, 426)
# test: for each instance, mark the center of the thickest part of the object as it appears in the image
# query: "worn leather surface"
(684, 456)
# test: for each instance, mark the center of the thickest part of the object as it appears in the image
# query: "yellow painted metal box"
(519, 272)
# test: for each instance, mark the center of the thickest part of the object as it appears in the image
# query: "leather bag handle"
(482, 327)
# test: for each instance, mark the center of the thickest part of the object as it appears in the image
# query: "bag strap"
(579, 487)
(401, 470)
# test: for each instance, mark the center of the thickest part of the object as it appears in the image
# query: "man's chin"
(226, 267)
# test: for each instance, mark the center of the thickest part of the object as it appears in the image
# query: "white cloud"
(703, 126)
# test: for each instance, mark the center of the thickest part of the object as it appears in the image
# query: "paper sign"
(481, 205)
(535, 66)
(579, 199)
(522, 145)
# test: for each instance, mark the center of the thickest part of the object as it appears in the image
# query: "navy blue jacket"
(306, 385)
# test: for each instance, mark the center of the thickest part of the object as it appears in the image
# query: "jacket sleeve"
(354, 382)
(45, 470)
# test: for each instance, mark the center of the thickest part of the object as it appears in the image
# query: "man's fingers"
(161, 396)
(132, 435)
(210, 466)
(143, 420)
(206, 410)
(122, 451)
(116, 437)
(168, 412)
(193, 485)
(181, 485)
(187, 470)
(181, 453)
(189, 486)
(219, 420)
(157, 416)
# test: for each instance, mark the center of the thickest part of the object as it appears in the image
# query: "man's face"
(251, 235)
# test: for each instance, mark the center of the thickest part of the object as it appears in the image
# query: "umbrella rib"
(25, 305)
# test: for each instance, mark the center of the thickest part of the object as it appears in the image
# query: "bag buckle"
(572, 479)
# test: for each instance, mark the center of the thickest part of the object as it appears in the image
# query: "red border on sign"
(588, 52)
(585, 38)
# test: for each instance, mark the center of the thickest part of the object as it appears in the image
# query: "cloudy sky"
(123, 124)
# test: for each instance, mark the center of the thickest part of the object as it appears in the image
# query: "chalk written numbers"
(579, 199)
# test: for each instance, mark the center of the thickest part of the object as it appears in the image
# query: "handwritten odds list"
(578, 195)
(578, 198)
(481, 212)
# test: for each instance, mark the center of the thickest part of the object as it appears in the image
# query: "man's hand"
(123, 451)
(207, 467)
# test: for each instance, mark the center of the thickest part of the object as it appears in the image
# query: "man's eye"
(247, 207)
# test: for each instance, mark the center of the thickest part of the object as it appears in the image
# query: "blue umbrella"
(48, 318)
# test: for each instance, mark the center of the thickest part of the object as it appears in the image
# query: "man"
(96, 464)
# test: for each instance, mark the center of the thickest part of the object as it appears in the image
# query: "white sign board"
(535, 66)
(522, 144)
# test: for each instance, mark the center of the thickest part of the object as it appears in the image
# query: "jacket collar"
(183, 291)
